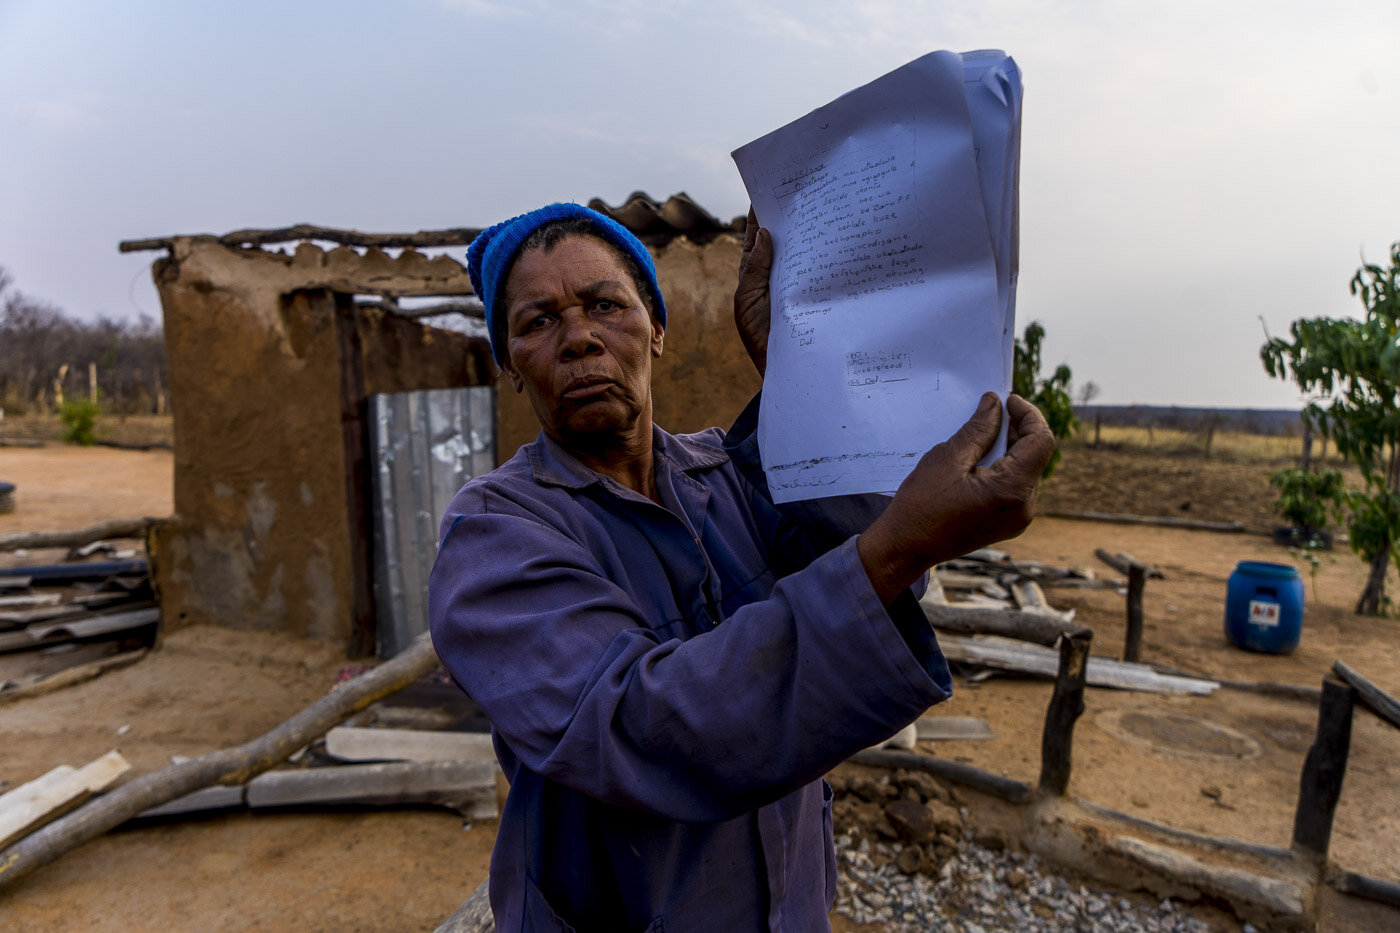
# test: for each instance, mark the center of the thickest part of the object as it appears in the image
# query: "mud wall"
(269, 364)
(704, 377)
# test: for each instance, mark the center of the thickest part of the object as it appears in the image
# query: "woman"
(669, 662)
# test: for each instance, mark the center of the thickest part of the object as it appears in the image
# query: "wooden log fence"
(1320, 785)
(1324, 770)
(1066, 706)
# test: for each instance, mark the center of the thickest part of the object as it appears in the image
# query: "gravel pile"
(979, 890)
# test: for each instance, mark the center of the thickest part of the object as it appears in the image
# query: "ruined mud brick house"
(275, 354)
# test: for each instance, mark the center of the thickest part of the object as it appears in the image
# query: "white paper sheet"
(893, 212)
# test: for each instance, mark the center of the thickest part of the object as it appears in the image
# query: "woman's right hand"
(949, 505)
(752, 307)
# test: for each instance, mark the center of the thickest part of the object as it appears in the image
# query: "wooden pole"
(1375, 889)
(92, 383)
(1372, 697)
(228, 766)
(117, 528)
(1320, 784)
(456, 236)
(359, 489)
(1132, 640)
(1066, 706)
(955, 771)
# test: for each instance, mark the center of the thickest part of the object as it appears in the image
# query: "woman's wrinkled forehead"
(546, 241)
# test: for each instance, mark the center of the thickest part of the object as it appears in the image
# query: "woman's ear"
(514, 377)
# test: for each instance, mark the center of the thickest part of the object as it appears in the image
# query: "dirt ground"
(1225, 765)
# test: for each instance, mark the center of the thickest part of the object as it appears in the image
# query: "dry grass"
(138, 430)
(1229, 446)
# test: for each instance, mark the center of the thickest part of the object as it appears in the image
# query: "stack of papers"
(894, 217)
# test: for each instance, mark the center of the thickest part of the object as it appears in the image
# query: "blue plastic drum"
(1264, 607)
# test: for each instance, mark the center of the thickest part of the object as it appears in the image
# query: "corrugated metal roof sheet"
(658, 222)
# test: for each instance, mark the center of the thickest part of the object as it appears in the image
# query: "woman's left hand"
(752, 307)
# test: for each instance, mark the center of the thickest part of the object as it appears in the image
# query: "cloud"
(60, 116)
(491, 9)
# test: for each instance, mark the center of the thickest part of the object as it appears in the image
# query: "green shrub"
(79, 417)
(1305, 498)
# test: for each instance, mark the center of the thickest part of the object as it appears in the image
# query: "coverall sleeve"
(582, 691)
(705, 729)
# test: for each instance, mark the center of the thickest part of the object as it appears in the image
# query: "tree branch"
(117, 528)
(457, 236)
(228, 766)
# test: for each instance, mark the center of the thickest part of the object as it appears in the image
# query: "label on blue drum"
(1263, 613)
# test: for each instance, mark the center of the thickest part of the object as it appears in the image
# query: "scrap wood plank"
(1031, 598)
(69, 676)
(352, 743)
(46, 798)
(952, 728)
(467, 786)
(905, 738)
(978, 599)
(1086, 583)
(1009, 654)
(1006, 566)
(982, 583)
(471, 786)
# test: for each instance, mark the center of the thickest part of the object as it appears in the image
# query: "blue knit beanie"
(490, 255)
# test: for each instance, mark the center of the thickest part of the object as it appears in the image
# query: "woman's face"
(580, 341)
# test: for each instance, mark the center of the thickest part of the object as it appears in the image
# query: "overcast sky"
(1187, 167)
